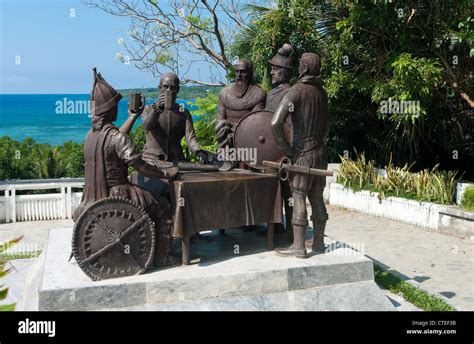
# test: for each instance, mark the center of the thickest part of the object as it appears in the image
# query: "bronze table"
(216, 200)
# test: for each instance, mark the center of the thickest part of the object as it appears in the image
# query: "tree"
(69, 160)
(402, 51)
(377, 52)
(31, 160)
(199, 30)
(205, 124)
(294, 22)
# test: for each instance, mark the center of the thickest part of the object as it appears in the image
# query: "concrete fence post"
(13, 204)
(7, 206)
(69, 202)
(63, 203)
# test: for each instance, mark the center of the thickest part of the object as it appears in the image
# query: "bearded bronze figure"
(237, 100)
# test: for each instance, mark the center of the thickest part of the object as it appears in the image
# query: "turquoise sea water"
(51, 118)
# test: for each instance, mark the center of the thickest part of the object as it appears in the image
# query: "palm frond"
(256, 10)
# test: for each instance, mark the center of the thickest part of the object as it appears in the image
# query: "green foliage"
(414, 295)
(413, 78)
(4, 257)
(204, 126)
(377, 51)
(194, 92)
(200, 24)
(359, 173)
(31, 160)
(3, 273)
(148, 92)
(186, 92)
(466, 33)
(426, 185)
(138, 137)
(164, 58)
(69, 159)
(269, 28)
(467, 201)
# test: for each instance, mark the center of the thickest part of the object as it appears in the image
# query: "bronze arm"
(126, 128)
(278, 121)
(154, 172)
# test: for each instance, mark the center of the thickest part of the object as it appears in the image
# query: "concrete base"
(341, 297)
(235, 272)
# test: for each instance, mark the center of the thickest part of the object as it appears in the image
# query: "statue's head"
(281, 65)
(243, 77)
(244, 71)
(310, 64)
(104, 102)
(169, 85)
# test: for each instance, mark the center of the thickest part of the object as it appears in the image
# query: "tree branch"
(455, 84)
(156, 29)
(216, 31)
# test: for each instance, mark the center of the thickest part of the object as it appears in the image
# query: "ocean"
(52, 118)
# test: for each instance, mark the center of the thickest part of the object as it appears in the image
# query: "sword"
(284, 167)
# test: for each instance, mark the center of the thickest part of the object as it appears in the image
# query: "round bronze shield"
(114, 237)
(254, 138)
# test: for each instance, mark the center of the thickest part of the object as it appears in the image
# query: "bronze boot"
(162, 247)
(286, 234)
(298, 248)
(318, 238)
(162, 257)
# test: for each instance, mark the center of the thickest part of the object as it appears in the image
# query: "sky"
(50, 46)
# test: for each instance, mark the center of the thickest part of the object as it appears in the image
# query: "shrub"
(426, 185)
(204, 125)
(467, 201)
(357, 174)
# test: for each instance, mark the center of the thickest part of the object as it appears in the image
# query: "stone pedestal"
(235, 272)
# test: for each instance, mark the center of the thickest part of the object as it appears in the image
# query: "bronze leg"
(270, 231)
(185, 249)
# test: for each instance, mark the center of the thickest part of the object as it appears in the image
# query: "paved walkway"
(439, 263)
(35, 233)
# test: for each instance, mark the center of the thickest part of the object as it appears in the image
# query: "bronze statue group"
(109, 150)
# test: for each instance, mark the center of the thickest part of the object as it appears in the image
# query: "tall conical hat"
(283, 57)
(103, 96)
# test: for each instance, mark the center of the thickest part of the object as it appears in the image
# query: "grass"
(469, 208)
(412, 294)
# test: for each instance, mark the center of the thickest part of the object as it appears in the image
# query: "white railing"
(424, 214)
(38, 207)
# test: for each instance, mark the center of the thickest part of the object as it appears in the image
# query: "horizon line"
(119, 90)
